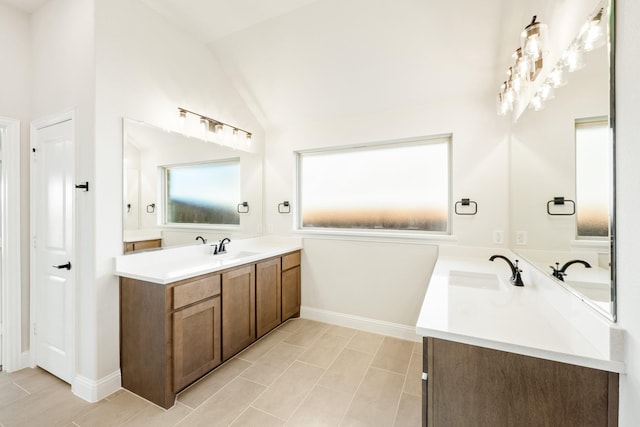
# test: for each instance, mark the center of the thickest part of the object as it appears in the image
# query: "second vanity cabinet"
(474, 386)
(171, 335)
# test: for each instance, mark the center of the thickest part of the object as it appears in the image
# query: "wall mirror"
(562, 179)
(178, 187)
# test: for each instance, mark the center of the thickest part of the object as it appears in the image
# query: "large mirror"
(562, 187)
(178, 187)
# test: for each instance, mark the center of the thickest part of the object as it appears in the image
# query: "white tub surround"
(470, 300)
(170, 265)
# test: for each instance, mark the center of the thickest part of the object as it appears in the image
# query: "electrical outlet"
(521, 238)
(498, 237)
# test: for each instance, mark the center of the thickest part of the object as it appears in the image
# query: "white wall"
(628, 204)
(543, 155)
(145, 69)
(386, 284)
(15, 71)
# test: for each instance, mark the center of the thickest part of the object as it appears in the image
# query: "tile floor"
(304, 373)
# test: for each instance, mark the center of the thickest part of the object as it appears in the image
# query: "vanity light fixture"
(591, 36)
(211, 125)
(528, 61)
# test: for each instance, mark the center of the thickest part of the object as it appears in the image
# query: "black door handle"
(61, 266)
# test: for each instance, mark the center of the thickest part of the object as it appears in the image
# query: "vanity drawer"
(195, 291)
(290, 260)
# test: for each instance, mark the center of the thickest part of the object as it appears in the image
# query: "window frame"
(163, 170)
(446, 138)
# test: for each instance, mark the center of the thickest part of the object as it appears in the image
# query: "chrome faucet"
(516, 279)
(559, 273)
(204, 241)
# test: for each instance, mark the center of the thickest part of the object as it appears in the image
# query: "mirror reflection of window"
(396, 186)
(593, 178)
(202, 193)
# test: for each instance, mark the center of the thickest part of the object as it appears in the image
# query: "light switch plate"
(498, 237)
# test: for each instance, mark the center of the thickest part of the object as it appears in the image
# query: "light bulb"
(204, 124)
(536, 102)
(248, 138)
(182, 117)
(558, 77)
(546, 91)
(574, 58)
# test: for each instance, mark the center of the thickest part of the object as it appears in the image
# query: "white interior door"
(53, 161)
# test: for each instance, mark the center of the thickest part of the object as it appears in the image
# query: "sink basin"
(235, 255)
(474, 280)
(595, 291)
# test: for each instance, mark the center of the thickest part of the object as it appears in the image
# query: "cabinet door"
(291, 293)
(268, 295)
(196, 342)
(474, 386)
(238, 310)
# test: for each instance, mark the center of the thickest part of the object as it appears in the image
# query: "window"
(395, 186)
(593, 178)
(202, 193)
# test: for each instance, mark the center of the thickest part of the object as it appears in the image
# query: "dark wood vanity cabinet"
(475, 386)
(140, 245)
(171, 335)
(291, 285)
(268, 295)
(238, 310)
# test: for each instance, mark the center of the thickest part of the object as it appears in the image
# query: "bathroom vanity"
(499, 355)
(185, 311)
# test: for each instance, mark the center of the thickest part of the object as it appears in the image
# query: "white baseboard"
(25, 360)
(94, 391)
(381, 327)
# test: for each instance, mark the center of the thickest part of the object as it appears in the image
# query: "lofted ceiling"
(318, 60)
(322, 60)
(28, 6)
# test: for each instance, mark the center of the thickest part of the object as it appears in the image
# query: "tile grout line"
(294, 361)
(266, 387)
(361, 381)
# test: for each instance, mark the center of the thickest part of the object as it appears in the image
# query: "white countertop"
(470, 300)
(173, 264)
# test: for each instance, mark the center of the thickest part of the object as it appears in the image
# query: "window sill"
(373, 236)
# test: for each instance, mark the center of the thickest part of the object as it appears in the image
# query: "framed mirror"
(178, 187)
(562, 177)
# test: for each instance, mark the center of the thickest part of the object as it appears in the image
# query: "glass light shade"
(574, 59)
(558, 77)
(522, 67)
(182, 118)
(533, 40)
(502, 105)
(248, 138)
(546, 91)
(204, 125)
(536, 102)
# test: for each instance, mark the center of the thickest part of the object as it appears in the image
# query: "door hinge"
(34, 150)
(35, 330)
(35, 242)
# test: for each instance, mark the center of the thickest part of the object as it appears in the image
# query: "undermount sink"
(473, 279)
(595, 291)
(235, 255)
